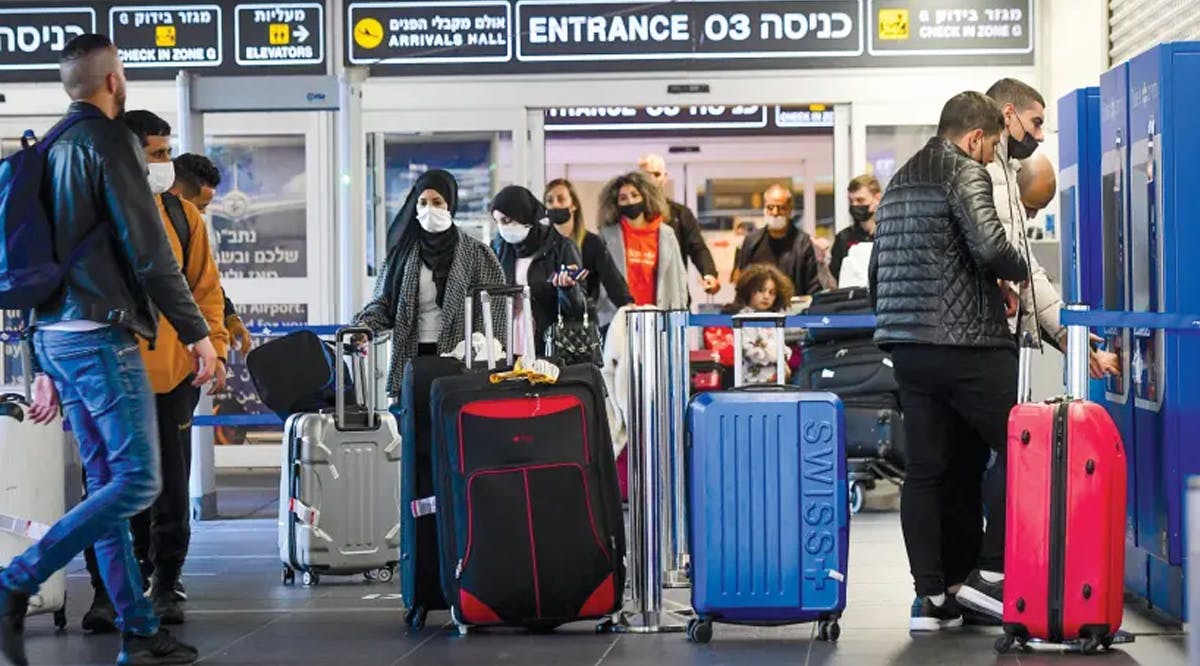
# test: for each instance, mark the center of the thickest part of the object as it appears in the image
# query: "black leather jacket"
(97, 193)
(556, 251)
(939, 250)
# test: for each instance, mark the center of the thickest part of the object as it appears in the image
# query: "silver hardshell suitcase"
(339, 506)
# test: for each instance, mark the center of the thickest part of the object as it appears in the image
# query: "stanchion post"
(647, 412)
(675, 536)
(1077, 356)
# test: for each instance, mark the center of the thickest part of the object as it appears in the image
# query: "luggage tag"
(308, 516)
(423, 507)
(22, 527)
(538, 371)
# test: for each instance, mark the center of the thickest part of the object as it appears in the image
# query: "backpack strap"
(179, 221)
(57, 130)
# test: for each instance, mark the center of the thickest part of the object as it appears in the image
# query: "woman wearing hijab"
(602, 271)
(421, 293)
(533, 254)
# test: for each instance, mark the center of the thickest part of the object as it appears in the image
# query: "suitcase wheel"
(1092, 645)
(415, 618)
(858, 496)
(1004, 644)
(829, 631)
(310, 578)
(606, 626)
(288, 576)
(699, 631)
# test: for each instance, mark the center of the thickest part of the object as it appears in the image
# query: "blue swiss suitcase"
(768, 506)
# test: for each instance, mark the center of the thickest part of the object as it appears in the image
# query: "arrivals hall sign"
(421, 37)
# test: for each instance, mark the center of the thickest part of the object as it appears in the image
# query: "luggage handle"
(485, 292)
(739, 321)
(1024, 383)
(368, 381)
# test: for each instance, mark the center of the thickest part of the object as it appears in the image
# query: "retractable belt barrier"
(1089, 318)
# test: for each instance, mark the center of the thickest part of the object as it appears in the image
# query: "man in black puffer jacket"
(939, 253)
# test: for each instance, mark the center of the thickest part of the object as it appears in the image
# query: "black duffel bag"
(294, 374)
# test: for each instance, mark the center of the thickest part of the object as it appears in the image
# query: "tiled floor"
(241, 614)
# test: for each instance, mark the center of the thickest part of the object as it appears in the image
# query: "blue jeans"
(106, 397)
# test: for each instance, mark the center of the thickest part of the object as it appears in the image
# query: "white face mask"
(161, 177)
(514, 233)
(434, 220)
(776, 222)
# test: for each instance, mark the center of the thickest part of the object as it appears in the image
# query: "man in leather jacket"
(939, 253)
(85, 339)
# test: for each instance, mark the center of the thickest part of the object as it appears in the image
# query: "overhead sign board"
(156, 40)
(167, 35)
(945, 27)
(688, 119)
(398, 33)
(31, 38)
(553, 30)
(280, 34)
(411, 37)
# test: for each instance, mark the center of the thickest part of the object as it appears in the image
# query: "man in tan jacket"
(161, 533)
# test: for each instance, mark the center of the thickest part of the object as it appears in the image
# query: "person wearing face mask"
(196, 180)
(125, 273)
(161, 534)
(939, 250)
(781, 244)
(864, 194)
(567, 216)
(533, 254)
(1038, 302)
(645, 250)
(422, 289)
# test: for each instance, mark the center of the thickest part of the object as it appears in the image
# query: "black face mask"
(860, 214)
(1019, 150)
(632, 211)
(558, 215)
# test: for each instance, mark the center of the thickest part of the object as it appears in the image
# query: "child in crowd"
(762, 288)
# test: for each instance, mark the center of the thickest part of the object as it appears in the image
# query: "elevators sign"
(31, 38)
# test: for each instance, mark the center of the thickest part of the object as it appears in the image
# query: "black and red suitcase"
(530, 527)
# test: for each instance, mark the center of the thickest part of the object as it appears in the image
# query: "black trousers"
(162, 533)
(956, 402)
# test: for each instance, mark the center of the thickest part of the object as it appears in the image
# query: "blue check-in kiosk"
(1113, 203)
(1081, 237)
(1164, 276)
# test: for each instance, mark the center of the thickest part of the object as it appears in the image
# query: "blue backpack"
(30, 274)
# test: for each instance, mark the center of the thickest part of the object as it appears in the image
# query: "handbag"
(574, 342)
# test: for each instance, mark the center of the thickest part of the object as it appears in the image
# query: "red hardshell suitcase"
(1064, 557)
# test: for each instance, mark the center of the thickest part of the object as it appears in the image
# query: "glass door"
(484, 150)
(272, 226)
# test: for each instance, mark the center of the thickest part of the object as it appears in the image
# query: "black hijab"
(520, 205)
(405, 232)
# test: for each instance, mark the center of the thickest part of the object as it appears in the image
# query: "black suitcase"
(851, 300)
(420, 581)
(874, 427)
(530, 526)
(849, 367)
(295, 373)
